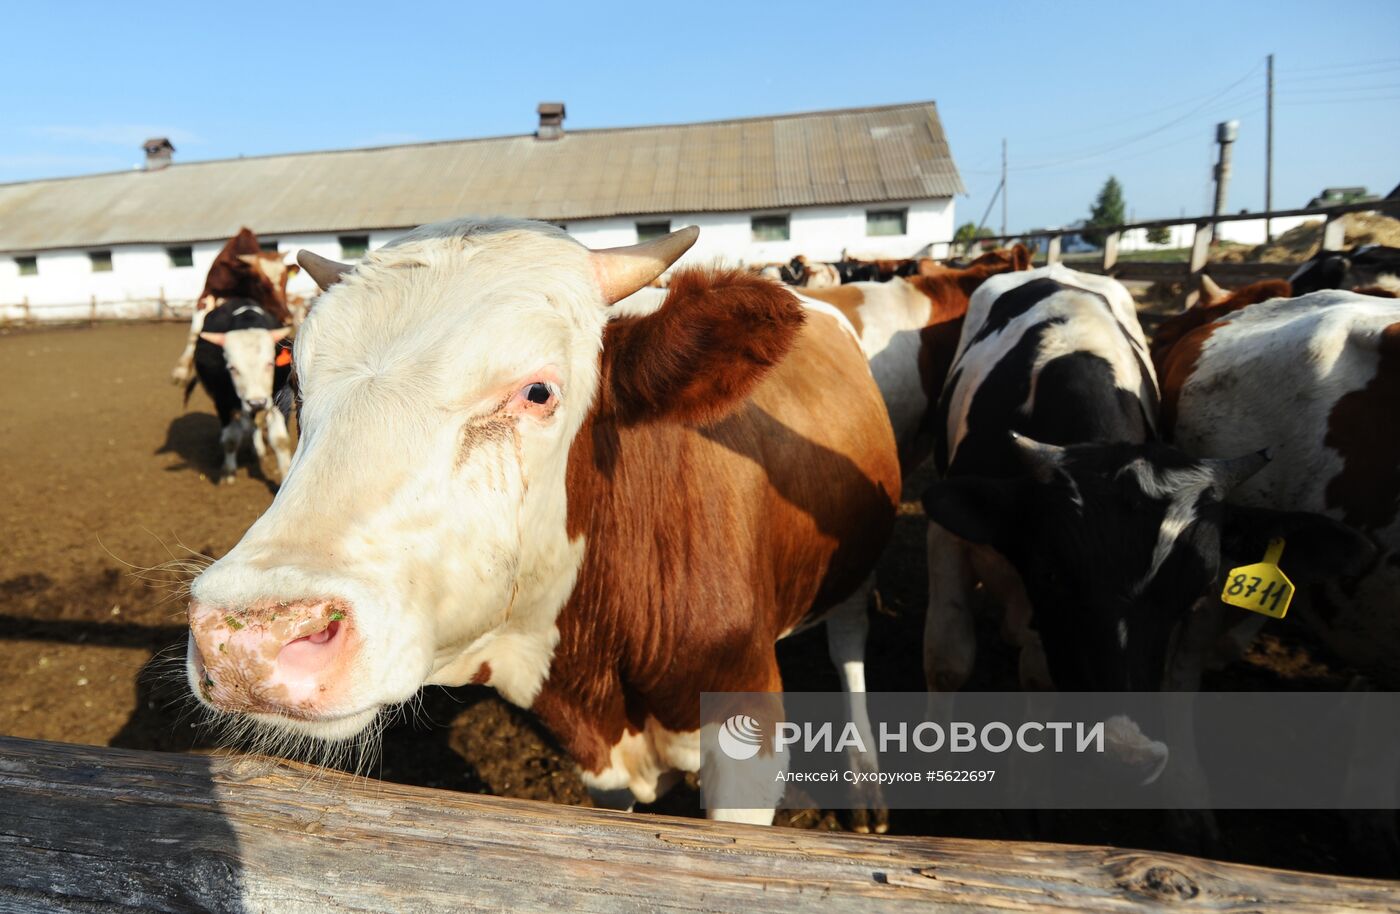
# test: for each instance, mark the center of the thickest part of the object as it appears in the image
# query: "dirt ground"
(105, 474)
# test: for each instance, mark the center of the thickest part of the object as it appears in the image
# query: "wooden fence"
(91, 829)
(1190, 271)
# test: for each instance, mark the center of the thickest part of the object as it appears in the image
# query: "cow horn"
(326, 272)
(622, 271)
(1229, 472)
(1041, 459)
(1210, 291)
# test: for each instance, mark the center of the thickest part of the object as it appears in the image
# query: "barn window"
(182, 255)
(646, 231)
(353, 247)
(101, 261)
(771, 228)
(269, 246)
(28, 266)
(886, 221)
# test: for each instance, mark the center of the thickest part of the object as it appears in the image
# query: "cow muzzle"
(289, 659)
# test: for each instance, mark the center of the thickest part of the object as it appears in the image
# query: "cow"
(1316, 378)
(811, 275)
(242, 361)
(500, 482)
(909, 331)
(1214, 303)
(241, 270)
(849, 271)
(1370, 266)
(1096, 536)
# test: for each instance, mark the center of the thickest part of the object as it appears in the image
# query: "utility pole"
(1003, 185)
(1269, 155)
(1225, 134)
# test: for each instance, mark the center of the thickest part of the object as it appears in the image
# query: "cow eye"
(537, 393)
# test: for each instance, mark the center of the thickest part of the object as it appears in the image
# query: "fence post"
(1110, 250)
(160, 305)
(1334, 234)
(92, 310)
(1200, 256)
(1052, 250)
(25, 305)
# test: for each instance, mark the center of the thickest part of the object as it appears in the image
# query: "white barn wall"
(142, 275)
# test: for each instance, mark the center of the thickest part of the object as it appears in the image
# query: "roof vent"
(551, 121)
(158, 152)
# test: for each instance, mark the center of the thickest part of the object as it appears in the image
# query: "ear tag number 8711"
(1261, 587)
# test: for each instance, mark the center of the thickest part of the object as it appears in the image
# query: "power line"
(1349, 64)
(1141, 115)
(1234, 107)
(1294, 76)
(1340, 101)
(1210, 103)
(1319, 89)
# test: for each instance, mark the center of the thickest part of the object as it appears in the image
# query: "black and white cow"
(1316, 378)
(1369, 267)
(243, 361)
(1096, 537)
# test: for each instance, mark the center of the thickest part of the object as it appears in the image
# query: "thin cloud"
(389, 138)
(46, 160)
(125, 135)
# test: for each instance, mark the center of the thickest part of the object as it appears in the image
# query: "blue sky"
(1079, 90)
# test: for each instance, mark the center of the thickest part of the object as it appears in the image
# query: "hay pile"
(1298, 244)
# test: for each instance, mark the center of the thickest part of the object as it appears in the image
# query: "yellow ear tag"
(1261, 587)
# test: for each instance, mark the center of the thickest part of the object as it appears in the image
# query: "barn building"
(876, 181)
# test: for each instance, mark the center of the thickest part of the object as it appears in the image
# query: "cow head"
(271, 267)
(422, 524)
(1116, 542)
(249, 355)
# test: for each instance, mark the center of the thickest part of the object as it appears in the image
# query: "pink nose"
(285, 658)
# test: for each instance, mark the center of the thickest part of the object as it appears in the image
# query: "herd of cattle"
(519, 466)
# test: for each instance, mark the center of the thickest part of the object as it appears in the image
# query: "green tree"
(1108, 209)
(968, 232)
(1160, 235)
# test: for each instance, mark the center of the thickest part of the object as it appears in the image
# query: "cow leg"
(1003, 582)
(846, 631)
(184, 365)
(259, 446)
(1183, 783)
(621, 799)
(746, 790)
(232, 440)
(950, 643)
(280, 441)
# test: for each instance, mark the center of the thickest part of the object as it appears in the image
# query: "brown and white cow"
(1316, 379)
(909, 330)
(500, 481)
(241, 270)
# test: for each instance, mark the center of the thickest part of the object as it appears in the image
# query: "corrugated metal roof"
(861, 155)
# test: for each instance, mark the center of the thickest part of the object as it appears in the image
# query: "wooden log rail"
(91, 829)
(1203, 234)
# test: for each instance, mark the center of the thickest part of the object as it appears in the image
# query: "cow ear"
(217, 339)
(978, 509)
(279, 334)
(702, 352)
(1315, 547)
(1211, 293)
(1020, 258)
